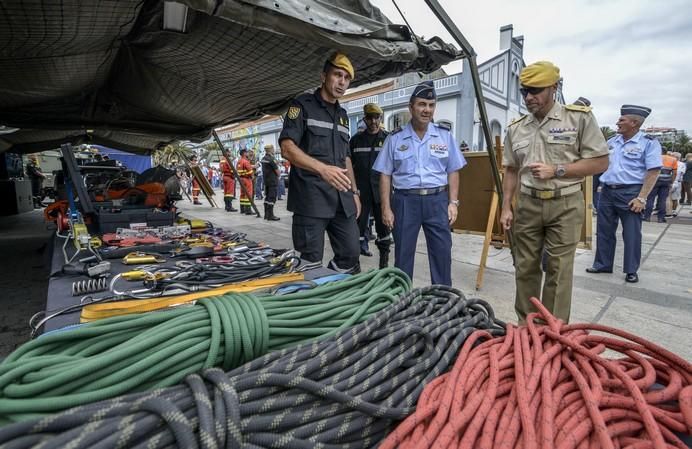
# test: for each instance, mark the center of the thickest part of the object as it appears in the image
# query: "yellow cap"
(372, 108)
(269, 147)
(341, 61)
(540, 74)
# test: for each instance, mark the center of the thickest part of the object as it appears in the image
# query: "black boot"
(226, 202)
(269, 215)
(242, 209)
(384, 258)
(249, 211)
(266, 211)
(230, 206)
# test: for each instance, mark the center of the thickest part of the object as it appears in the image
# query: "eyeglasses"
(531, 90)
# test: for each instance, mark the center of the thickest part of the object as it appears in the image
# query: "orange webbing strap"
(109, 309)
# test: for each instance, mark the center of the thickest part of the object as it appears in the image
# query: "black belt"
(429, 191)
(621, 186)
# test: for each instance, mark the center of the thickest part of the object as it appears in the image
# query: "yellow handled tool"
(105, 310)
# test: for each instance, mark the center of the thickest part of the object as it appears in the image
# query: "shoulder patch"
(396, 130)
(293, 112)
(577, 107)
(517, 120)
(445, 126)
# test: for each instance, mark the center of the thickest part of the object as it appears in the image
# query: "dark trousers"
(430, 211)
(596, 181)
(308, 238)
(660, 192)
(686, 196)
(367, 205)
(270, 193)
(614, 206)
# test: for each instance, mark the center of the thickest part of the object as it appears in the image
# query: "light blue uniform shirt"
(630, 160)
(416, 163)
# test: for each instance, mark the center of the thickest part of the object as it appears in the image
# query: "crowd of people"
(408, 179)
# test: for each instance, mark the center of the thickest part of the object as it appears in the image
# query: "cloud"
(613, 52)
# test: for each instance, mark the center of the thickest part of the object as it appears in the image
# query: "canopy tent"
(117, 74)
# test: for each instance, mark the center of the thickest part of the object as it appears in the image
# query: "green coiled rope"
(141, 352)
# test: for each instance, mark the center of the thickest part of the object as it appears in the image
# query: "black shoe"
(365, 252)
(596, 270)
(662, 220)
(632, 277)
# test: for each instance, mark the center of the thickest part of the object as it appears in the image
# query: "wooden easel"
(492, 219)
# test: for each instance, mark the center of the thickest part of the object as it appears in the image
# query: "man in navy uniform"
(365, 146)
(421, 162)
(635, 161)
(322, 190)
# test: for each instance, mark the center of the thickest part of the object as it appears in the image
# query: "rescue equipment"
(552, 386)
(140, 352)
(343, 391)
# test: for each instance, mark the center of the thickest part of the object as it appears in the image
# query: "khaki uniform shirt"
(565, 135)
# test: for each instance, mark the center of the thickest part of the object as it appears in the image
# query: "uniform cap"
(425, 90)
(341, 61)
(631, 109)
(581, 101)
(540, 74)
(372, 108)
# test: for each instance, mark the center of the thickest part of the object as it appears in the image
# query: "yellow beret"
(539, 74)
(341, 61)
(372, 108)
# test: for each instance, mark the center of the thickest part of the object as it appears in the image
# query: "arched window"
(495, 129)
(514, 83)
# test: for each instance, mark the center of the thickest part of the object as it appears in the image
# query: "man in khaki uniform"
(548, 152)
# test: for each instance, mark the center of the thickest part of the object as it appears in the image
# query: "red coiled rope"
(552, 386)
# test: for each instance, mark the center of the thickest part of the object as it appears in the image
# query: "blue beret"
(425, 90)
(630, 109)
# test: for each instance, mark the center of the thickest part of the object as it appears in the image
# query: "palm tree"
(607, 132)
(172, 154)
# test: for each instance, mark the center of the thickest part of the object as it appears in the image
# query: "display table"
(60, 285)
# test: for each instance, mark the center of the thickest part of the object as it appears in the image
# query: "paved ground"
(659, 307)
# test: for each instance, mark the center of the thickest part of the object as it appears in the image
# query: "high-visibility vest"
(668, 169)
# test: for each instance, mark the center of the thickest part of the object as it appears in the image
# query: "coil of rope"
(347, 390)
(553, 387)
(139, 352)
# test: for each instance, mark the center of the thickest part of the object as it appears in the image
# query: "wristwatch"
(560, 171)
(356, 192)
(455, 202)
(641, 200)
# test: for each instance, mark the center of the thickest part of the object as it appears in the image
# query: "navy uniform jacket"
(321, 131)
(269, 169)
(364, 150)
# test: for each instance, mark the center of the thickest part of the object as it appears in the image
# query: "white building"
(456, 103)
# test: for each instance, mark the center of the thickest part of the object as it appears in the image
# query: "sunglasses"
(531, 90)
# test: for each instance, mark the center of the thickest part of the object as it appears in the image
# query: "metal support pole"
(446, 21)
(235, 173)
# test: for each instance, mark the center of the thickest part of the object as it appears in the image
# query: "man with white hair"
(635, 162)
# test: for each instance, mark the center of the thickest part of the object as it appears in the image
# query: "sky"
(612, 52)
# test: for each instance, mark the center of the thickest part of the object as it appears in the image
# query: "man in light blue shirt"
(635, 161)
(421, 162)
